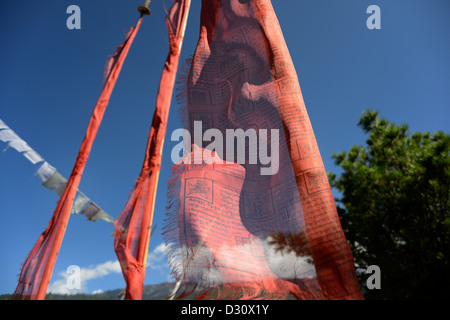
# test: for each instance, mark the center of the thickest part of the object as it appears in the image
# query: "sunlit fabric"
(93, 212)
(80, 201)
(234, 232)
(38, 267)
(33, 156)
(7, 135)
(56, 183)
(45, 171)
(19, 145)
(3, 125)
(133, 226)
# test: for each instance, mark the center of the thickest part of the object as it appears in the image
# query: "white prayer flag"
(3, 125)
(33, 156)
(8, 135)
(60, 188)
(93, 213)
(90, 211)
(19, 145)
(45, 171)
(55, 182)
(79, 203)
(50, 177)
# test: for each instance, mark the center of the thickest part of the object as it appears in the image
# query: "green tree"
(394, 208)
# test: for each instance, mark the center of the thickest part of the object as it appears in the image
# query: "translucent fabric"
(250, 213)
(38, 267)
(133, 226)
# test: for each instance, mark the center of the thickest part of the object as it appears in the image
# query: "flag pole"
(159, 127)
(144, 9)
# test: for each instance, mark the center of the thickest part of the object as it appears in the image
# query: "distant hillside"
(151, 292)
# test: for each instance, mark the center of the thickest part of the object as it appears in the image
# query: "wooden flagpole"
(159, 126)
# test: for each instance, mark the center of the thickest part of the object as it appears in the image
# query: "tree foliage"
(394, 208)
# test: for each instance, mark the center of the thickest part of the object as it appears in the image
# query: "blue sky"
(51, 78)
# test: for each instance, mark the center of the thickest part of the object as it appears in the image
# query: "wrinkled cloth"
(133, 226)
(38, 267)
(234, 232)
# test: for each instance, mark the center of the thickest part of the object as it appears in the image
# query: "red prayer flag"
(133, 226)
(261, 223)
(37, 269)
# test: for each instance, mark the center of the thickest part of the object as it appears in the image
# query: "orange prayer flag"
(133, 226)
(251, 214)
(37, 269)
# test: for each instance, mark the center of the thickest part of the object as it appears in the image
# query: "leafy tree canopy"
(394, 208)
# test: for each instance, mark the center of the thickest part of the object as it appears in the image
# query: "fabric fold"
(79, 203)
(93, 213)
(8, 135)
(3, 125)
(33, 157)
(19, 145)
(37, 269)
(254, 217)
(45, 171)
(56, 183)
(133, 225)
